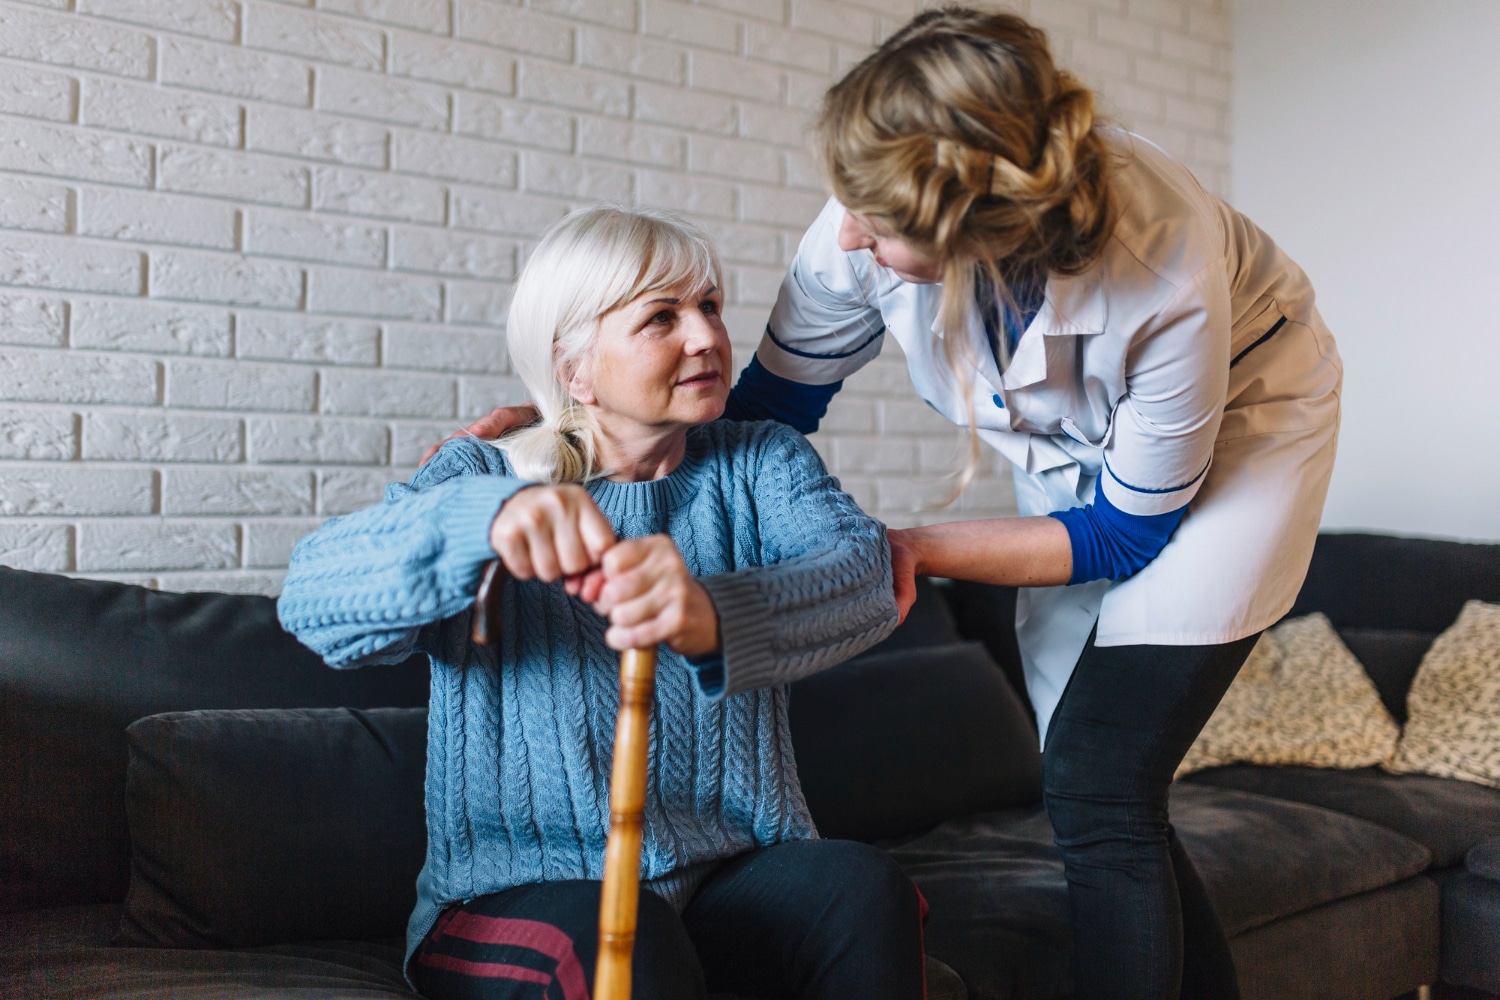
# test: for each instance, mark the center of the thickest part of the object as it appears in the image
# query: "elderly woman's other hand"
(646, 590)
(550, 532)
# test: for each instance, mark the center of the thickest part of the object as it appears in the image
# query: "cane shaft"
(627, 807)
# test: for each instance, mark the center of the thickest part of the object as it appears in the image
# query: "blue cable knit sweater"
(520, 735)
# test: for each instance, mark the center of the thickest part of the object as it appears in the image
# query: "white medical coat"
(1160, 375)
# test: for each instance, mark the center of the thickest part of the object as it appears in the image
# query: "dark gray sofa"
(1332, 884)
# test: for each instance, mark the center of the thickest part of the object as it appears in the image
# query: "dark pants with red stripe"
(808, 919)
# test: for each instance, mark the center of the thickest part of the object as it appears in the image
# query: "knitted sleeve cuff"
(709, 670)
(744, 635)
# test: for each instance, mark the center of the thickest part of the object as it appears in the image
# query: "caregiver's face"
(860, 232)
(661, 360)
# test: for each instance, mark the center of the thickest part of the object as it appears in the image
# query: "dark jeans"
(1142, 924)
(825, 919)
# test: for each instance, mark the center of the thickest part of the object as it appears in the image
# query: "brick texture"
(255, 255)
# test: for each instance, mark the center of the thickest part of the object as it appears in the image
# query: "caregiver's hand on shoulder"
(650, 597)
(490, 426)
(550, 532)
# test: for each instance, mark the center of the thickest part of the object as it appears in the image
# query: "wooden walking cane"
(627, 807)
(627, 797)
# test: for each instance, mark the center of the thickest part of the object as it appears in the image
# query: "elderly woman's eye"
(709, 307)
(665, 316)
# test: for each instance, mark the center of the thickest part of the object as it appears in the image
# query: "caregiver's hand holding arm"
(1010, 551)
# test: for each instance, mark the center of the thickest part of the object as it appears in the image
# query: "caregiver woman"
(1154, 369)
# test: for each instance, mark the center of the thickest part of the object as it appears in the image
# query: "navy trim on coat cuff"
(1143, 489)
(823, 357)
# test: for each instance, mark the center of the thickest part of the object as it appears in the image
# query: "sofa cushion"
(79, 661)
(1445, 816)
(1377, 944)
(1000, 913)
(1471, 932)
(1300, 698)
(1263, 858)
(1453, 709)
(987, 613)
(257, 827)
(894, 743)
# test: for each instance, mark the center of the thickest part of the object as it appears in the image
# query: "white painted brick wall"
(253, 254)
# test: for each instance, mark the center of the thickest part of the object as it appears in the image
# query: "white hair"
(588, 264)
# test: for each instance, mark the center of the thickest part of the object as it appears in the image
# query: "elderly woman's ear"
(574, 376)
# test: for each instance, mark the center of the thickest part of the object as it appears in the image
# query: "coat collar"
(1074, 306)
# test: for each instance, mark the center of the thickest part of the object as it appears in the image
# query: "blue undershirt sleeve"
(1111, 544)
(760, 395)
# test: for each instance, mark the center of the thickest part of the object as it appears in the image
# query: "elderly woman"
(729, 544)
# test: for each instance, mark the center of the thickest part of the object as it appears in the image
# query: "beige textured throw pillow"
(1453, 708)
(1300, 699)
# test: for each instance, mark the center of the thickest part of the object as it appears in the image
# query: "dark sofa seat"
(64, 954)
(1471, 915)
(1446, 817)
(1000, 914)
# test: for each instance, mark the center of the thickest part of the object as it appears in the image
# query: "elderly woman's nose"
(855, 235)
(702, 335)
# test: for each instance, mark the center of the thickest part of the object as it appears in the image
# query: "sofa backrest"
(1381, 581)
(79, 661)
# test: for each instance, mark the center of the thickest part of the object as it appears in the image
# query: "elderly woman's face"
(661, 360)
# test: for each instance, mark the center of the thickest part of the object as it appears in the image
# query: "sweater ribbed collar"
(676, 488)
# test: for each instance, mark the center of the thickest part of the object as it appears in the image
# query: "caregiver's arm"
(1097, 542)
(1162, 435)
(1161, 444)
(1011, 551)
(823, 328)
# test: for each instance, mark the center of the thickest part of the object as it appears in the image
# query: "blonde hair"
(590, 263)
(963, 137)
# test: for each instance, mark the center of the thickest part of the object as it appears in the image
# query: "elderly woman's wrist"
(702, 638)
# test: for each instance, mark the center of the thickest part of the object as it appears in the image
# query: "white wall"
(1367, 143)
(254, 254)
